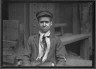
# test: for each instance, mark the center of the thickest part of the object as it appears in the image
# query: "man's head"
(45, 20)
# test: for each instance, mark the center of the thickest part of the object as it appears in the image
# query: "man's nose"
(44, 24)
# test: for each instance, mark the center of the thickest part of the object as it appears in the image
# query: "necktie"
(44, 46)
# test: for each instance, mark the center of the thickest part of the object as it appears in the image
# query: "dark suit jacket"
(56, 54)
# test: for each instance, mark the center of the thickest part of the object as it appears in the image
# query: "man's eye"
(41, 21)
(46, 21)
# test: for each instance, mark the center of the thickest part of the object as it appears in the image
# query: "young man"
(44, 48)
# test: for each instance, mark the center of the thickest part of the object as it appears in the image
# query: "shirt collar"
(45, 34)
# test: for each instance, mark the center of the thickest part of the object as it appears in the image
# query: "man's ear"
(51, 23)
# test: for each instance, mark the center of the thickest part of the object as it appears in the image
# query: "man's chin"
(44, 30)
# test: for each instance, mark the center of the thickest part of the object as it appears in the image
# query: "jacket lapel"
(51, 45)
(51, 41)
(36, 41)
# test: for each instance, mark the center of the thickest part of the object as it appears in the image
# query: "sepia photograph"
(47, 34)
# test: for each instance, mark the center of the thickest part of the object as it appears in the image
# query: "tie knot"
(44, 37)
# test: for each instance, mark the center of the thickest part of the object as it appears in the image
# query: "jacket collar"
(45, 34)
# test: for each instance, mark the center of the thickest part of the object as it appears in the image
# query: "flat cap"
(44, 14)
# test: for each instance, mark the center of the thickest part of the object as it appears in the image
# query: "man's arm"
(27, 52)
(60, 53)
(25, 56)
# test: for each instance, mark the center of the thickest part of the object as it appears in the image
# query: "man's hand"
(34, 63)
(47, 64)
(19, 63)
(42, 64)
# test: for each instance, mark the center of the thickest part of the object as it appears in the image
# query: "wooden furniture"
(78, 62)
(60, 28)
(10, 40)
(84, 48)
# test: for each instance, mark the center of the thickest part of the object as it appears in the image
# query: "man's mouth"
(44, 28)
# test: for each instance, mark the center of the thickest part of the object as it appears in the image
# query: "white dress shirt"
(41, 47)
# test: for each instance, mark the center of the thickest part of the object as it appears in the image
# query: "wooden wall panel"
(16, 12)
(10, 30)
(32, 18)
(26, 23)
(20, 12)
(76, 19)
(66, 16)
(56, 15)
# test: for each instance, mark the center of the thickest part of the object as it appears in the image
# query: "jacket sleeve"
(27, 53)
(60, 53)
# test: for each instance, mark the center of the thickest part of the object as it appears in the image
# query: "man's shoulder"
(56, 37)
(32, 36)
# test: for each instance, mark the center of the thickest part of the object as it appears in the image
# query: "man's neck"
(46, 34)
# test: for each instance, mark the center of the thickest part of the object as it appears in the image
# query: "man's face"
(45, 23)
